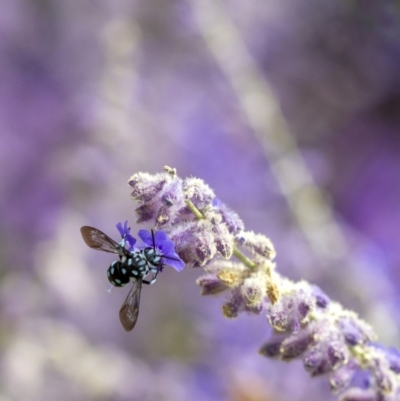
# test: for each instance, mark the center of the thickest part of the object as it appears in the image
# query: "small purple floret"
(321, 299)
(125, 234)
(272, 348)
(392, 356)
(165, 245)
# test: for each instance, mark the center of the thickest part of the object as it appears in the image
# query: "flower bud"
(293, 346)
(145, 186)
(223, 240)
(210, 285)
(229, 217)
(199, 193)
(354, 331)
(341, 378)
(253, 291)
(325, 357)
(257, 244)
(146, 212)
(272, 348)
(194, 242)
(234, 305)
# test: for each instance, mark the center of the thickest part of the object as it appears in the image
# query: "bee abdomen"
(118, 274)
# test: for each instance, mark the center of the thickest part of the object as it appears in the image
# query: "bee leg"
(152, 281)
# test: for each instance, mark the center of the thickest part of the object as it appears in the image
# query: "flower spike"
(200, 230)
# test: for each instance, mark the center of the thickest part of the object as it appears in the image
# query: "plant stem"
(194, 210)
(243, 258)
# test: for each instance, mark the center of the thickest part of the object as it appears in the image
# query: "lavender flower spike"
(307, 325)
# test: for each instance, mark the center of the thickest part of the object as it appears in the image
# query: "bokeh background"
(289, 109)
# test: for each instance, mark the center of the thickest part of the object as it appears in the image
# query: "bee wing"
(96, 239)
(129, 312)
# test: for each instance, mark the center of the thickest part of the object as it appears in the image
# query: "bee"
(131, 267)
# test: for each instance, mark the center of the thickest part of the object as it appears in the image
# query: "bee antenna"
(153, 239)
(154, 247)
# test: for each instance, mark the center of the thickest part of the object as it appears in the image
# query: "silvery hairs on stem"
(306, 324)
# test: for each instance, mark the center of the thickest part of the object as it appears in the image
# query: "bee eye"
(149, 252)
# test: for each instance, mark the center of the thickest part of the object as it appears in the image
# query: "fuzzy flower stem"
(194, 210)
(243, 258)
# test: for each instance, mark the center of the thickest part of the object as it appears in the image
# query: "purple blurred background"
(92, 92)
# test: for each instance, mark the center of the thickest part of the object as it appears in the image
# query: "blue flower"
(165, 246)
(126, 236)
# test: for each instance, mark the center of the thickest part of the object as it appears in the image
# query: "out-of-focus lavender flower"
(306, 324)
(392, 356)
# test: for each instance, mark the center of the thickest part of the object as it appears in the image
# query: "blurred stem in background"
(307, 203)
(120, 41)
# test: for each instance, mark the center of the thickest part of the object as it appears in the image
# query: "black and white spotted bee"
(132, 266)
